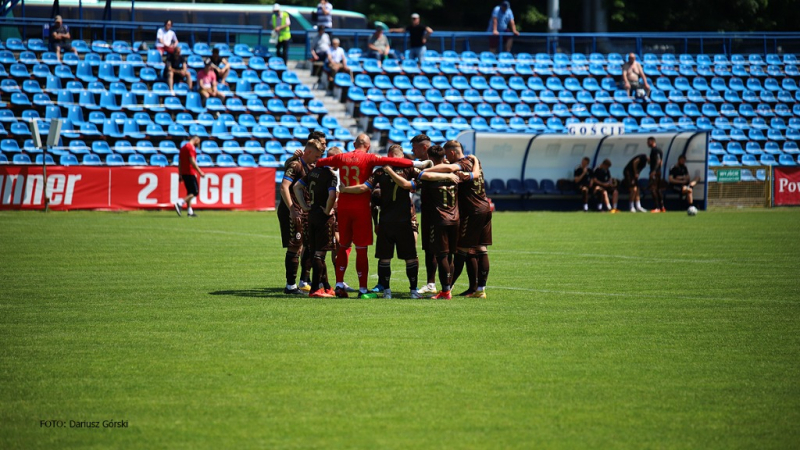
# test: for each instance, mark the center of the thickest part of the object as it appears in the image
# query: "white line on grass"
(594, 255)
(604, 294)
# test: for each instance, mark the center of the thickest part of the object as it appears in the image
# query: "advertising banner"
(786, 187)
(125, 188)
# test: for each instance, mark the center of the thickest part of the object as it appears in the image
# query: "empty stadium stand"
(117, 110)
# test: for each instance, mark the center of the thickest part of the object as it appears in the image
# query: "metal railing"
(108, 30)
(658, 43)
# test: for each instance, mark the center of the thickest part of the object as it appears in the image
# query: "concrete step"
(335, 108)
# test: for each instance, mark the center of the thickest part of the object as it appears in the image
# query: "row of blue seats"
(124, 48)
(152, 103)
(357, 94)
(555, 84)
(127, 72)
(596, 58)
(765, 159)
(158, 89)
(580, 110)
(167, 147)
(753, 148)
(76, 117)
(130, 128)
(152, 58)
(410, 67)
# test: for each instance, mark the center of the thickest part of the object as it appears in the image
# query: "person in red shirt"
(355, 220)
(188, 170)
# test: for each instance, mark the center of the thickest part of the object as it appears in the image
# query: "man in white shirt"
(337, 61)
(166, 40)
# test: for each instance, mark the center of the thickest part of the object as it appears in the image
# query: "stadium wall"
(127, 188)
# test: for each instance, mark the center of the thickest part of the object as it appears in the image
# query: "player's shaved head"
(395, 151)
(436, 153)
(453, 150)
(419, 146)
(362, 142)
(333, 151)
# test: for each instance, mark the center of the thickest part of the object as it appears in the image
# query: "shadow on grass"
(269, 292)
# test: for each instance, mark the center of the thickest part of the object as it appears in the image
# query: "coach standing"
(188, 170)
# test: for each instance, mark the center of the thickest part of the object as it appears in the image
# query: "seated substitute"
(680, 182)
(602, 185)
(583, 180)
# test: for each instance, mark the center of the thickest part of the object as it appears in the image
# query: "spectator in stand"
(681, 182)
(219, 65)
(378, 46)
(188, 169)
(634, 79)
(337, 61)
(583, 180)
(417, 37)
(176, 67)
(281, 24)
(501, 23)
(207, 83)
(60, 38)
(320, 47)
(166, 40)
(324, 16)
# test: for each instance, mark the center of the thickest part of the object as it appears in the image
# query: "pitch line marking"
(594, 255)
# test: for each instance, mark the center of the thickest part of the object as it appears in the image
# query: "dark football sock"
(472, 271)
(412, 272)
(319, 268)
(305, 262)
(444, 271)
(458, 265)
(483, 268)
(291, 262)
(430, 267)
(384, 274)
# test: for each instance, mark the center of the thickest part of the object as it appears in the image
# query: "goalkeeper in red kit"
(354, 218)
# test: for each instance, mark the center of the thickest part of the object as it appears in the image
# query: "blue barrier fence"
(658, 43)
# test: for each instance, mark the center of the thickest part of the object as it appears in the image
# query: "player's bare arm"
(331, 202)
(357, 189)
(398, 180)
(285, 195)
(301, 201)
(197, 168)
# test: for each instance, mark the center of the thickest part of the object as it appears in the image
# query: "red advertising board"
(786, 187)
(120, 188)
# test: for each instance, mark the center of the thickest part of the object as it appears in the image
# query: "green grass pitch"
(600, 331)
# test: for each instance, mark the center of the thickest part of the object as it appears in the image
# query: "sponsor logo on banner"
(786, 187)
(596, 129)
(115, 188)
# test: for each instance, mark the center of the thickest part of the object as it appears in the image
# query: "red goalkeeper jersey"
(354, 169)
